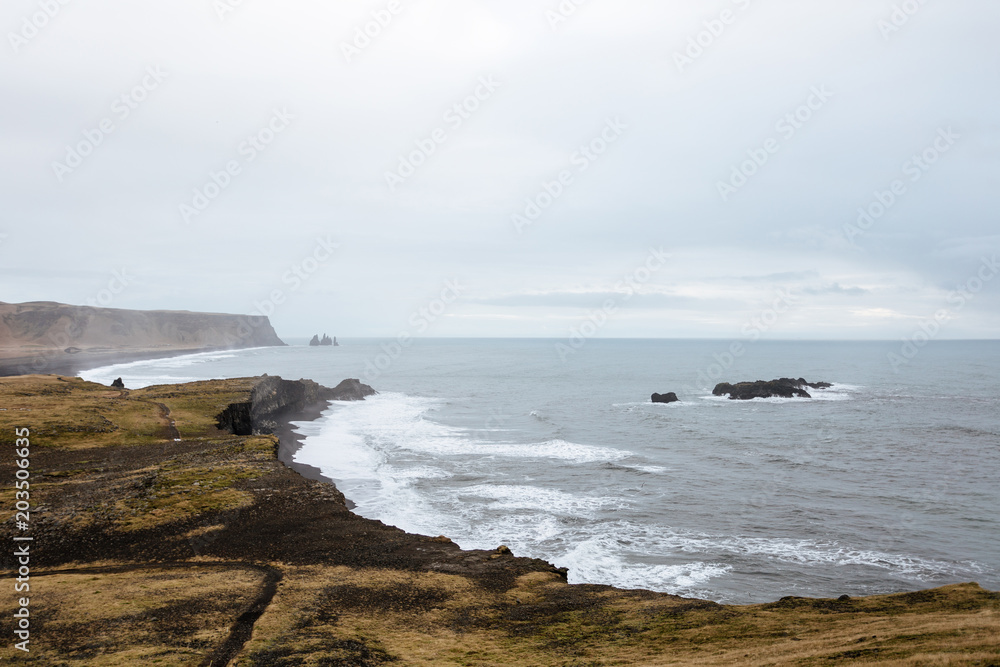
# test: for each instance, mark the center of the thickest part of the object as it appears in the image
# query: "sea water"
(885, 482)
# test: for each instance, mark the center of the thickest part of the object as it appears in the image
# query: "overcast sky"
(337, 138)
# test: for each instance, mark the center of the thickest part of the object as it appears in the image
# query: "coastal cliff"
(157, 537)
(45, 336)
(272, 398)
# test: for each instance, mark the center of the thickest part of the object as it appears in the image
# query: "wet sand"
(59, 362)
(290, 442)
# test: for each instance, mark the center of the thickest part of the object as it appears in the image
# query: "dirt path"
(169, 425)
(241, 630)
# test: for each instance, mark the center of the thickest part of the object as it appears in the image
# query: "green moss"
(178, 492)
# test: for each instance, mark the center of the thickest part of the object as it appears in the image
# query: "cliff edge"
(44, 335)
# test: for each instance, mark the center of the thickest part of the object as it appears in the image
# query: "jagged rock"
(781, 388)
(273, 397)
(315, 341)
(326, 340)
(351, 390)
(665, 398)
(118, 384)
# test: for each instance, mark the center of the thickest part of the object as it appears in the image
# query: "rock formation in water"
(325, 341)
(780, 388)
(665, 398)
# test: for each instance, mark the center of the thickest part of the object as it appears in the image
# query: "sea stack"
(780, 388)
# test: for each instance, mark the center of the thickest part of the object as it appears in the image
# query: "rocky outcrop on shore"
(670, 397)
(272, 398)
(780, 388)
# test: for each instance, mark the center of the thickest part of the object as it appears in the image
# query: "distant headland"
(48, 337)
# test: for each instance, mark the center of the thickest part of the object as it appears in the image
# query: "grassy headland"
(160, 539)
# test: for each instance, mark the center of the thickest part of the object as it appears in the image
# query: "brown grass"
(102, 462)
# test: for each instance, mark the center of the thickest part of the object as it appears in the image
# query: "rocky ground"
(160, 539)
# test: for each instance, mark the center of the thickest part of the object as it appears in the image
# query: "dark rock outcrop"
(118, 384)
(325, 341)
(273, 398)
(351, 390)
(665, 398)
(780, 388)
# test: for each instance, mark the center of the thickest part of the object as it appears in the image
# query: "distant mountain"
(44, 327)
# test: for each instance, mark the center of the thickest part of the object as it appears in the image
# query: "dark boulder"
(781, 388)
(665, 398)
(118, 384)
(351, 390)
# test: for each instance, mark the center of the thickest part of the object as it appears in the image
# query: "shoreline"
(290, 442)
(222, 522)
(58, 362)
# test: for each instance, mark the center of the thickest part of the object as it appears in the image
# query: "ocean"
(885, 482)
